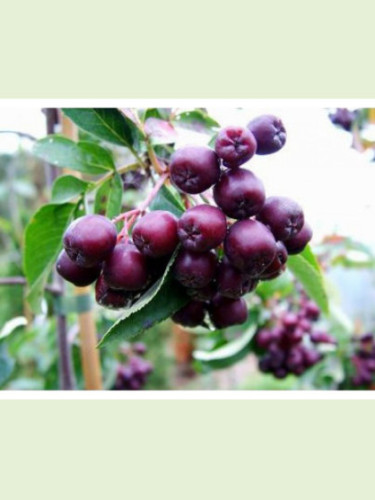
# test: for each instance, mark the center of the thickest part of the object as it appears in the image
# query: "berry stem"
(153, 158)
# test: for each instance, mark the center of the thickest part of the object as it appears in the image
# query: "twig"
(20, 280)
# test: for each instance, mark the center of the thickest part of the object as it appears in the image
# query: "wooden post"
(86, 321)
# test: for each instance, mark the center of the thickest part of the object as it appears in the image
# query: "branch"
(20, 280)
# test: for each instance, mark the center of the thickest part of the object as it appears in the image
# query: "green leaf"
(163, 299)
(306, 269)
(168, 199)
(85, 157)
(108, 124)
(68, 187)
(108, 199)
(228, 354)
(43, 237)
(197, 120)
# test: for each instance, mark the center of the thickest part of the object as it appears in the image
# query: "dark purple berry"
(194, 169)
(250, 247)
(283, 216)
(90, 239)
(126, 268)
(264, 338)
(269, 133)
(155, 234)
(311, 310)
(344, 118)
(231, 282)
(202, 228)
(195, 270)
(70, 271)
(298, 243)
(226, 312)
(190, 315)
(204, 294)
(322, 338)
(139, 348)
(277, 266)
(107, 297)
(235, 146)
(239, 193)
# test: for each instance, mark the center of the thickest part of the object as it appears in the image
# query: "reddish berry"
(195, 270)
(126, 268)
(155, 234)
(190, 315)
(269, 133)
(298, 243)
(283, 216)
(70, 271)
(235, 146)
(226, 312)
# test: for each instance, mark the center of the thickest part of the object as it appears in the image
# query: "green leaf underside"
(43, 236)
(197, 120)
(85, 157)
(167, 200)
(306, 269)
(107, 124)
(163, 299)
(108, 198)
(68, 187)
(229, 353)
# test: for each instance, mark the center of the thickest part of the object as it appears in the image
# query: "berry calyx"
(89, 240)
(235, 146)
(202, 228)
(194, 169)
(126, 268)
(239, 193)
(269, 133)
(155, 234)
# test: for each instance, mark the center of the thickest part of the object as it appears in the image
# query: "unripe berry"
(126, 268)
(70, 271)
(155, 234)
(298, 243)
(250, 247)
(195, 270)
(226, 312)
(269, 133)
(239, 193)
(194, 169)
(190, 315)
(235, 146)
(283, 216)
(89, 240)
(202, 228)
(107, 297)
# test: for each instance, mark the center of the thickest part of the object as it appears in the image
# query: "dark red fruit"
(322, 338)
(231, 282)
(283, 216)
(264, 338)
(194, 169)
(277, 266)
(235, 146)
(190, 315)
(250, 247)
(239, 193)
(204, 294)
(195, 270)
(70, 271)
(269, 133)
(113, 299)
(298, 243)
(202, 228)
(126, 268)
(155, 234)
(226, 312)
(89, 240)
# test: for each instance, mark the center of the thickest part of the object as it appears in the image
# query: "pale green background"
(187, 449)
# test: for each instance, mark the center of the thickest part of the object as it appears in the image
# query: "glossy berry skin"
(194, 169)
(70, 271)
(190, 315)
(126, 268)
(195, 270)
(226, 312)
(283, 216)
(107, 297)
(231, 282)
(235, 146)
(277, 266)
(269, 133)
(202, 228)
(250, 247)
(90, 239)
(155, 234)
(298, 243)
(239, 193)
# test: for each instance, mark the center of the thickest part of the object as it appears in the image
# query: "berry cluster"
(363, 360)
(224, 250)
(288, 345)
(133, 374)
